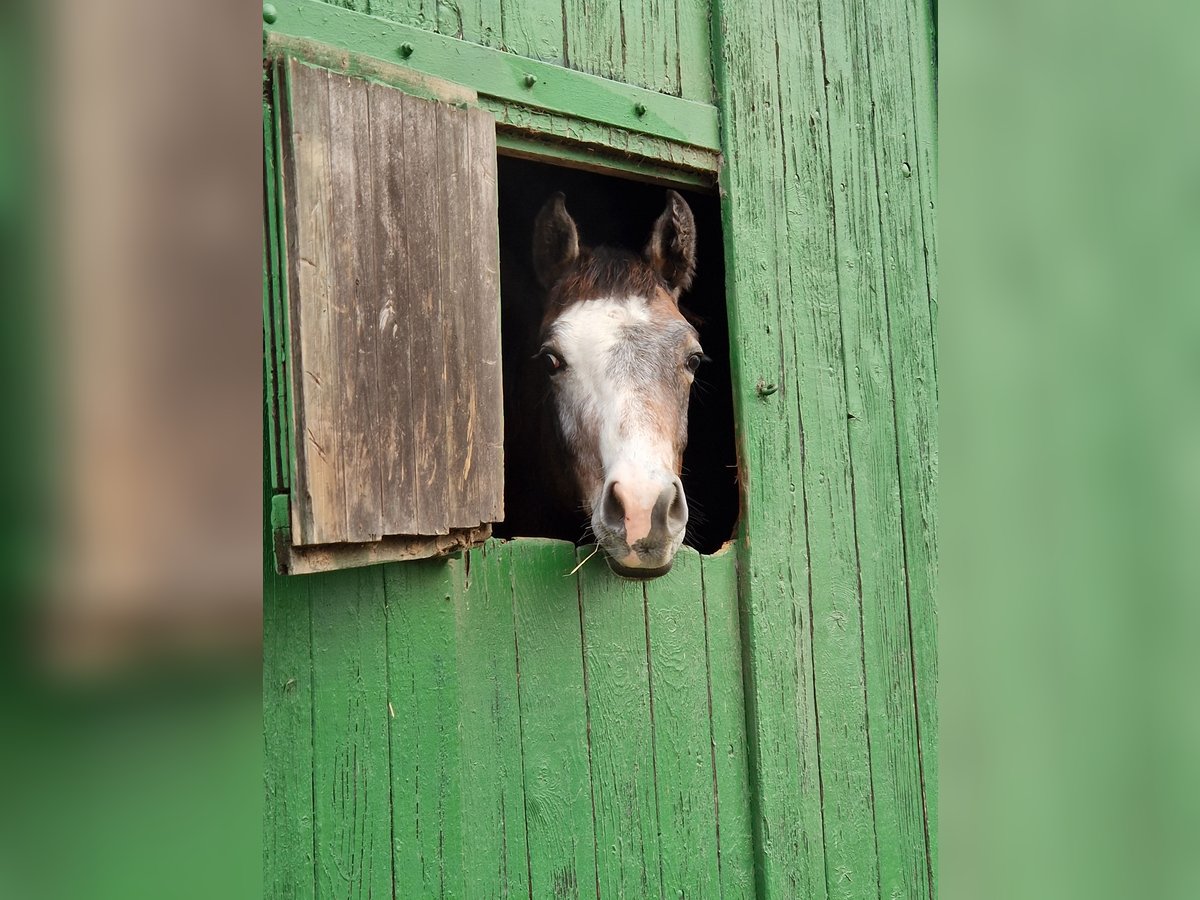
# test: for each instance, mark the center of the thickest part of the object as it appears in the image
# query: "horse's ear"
(555, 240)
(672, 247)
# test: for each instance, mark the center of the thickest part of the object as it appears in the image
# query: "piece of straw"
(585, 559)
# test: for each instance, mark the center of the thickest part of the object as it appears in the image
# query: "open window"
(400, 256)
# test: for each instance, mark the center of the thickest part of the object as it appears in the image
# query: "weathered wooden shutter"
(394, 296)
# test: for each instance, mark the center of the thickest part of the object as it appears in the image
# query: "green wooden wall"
(759, 723)
(663, 45)
(493, 726)
(828, 118)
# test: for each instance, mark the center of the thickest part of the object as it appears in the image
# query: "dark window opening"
(619, 212)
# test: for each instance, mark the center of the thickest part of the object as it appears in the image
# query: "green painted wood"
(495, 856)
(735, 840)
(594, 37)
(534, 29)
(516, 144)
(657, 44)
(781, 714)
(352, 812)
(501, 75)
(628, 849)
(270, 291)
(554, 740)
(675, 647)
(694, 24)
(911, 302)
(817, 386)
(288, 871)
(650, 48)
(279, 287)
(896, 764)
(789, 319)
(422, 688)
(606, 145)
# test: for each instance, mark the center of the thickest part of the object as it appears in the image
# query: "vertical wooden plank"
(422, 726)
(458, 315)
(350, 745)
(354, 297)
(554, 741)
(851, 854)
(423, 303)
(788, 836)
(534, 28)
(682, 736)
(396, 321)
(494, 852)
(279, 252)
(419, 13)
(484, 466)
(896, 769)
(617, 679)
(594, 37)
(650, 51)
(735, 842)
(694, 18)
(287, 737)
(910, 306)
(318, 507)
(477, 21)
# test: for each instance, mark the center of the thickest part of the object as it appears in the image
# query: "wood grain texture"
(650, 45)
(423, 734)
(534, 28)
(499, 711)
(675, 648)
(395, 316)
(797, 113)
(628, 845)
(554, 739)
(355, 304)
(896, 762)
(735, 841)
(351, 787)
(319, 502)
(772, 570)
(594, 37)
(495, 855)
(693, 20)
(288, 739)
(663, 45)
(483, 469)
(908, 239)
(397, 319)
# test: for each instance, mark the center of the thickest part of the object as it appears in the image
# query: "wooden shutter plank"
(319, 501)
(485, 468)
(457, 306)
(353, 299)
(394, 429)
(423, 302)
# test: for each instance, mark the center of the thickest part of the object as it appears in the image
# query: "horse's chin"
(639, 573)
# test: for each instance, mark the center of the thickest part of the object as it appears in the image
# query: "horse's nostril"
(613, 511)
(677, 513)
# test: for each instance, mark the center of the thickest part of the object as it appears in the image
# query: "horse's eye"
(552, 362)
(694, 360)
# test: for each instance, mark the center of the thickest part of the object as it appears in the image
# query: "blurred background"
(1069, 380)
(131, 538)
(130, 485)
